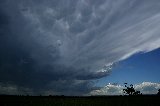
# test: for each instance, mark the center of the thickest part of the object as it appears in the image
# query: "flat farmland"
(147, 100)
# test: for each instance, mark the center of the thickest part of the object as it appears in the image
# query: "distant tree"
(137, 93)
(129, 90)
(158, 92)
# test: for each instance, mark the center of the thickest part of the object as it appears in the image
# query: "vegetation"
(129, 90)
(158, 92)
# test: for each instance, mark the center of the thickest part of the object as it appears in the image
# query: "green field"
(80, 101)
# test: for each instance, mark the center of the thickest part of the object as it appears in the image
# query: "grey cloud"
(11, 89)
(70, 86)
(44, 41)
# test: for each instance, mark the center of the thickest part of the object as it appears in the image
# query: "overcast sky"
(63, 47)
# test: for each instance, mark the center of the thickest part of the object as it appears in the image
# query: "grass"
(80, 101)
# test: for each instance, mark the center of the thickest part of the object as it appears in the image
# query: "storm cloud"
(60, 46)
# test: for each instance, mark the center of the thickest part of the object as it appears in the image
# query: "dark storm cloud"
(61, 45)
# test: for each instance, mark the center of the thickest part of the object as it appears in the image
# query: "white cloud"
(115, 89)
(148, 87)
(109, 89)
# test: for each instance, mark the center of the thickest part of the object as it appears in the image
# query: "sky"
(79, 47)
(136, 69)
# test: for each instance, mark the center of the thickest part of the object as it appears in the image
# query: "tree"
(158, 92)
(129, 90)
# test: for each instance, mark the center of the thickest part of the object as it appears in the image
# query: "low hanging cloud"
(46, 41)
(11, 89)
(116, 89)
